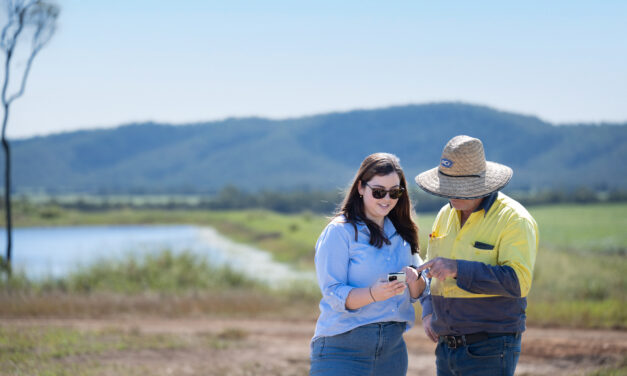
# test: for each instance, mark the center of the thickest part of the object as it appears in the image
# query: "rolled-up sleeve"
(332, 257)
(416, 261)
(425, 300)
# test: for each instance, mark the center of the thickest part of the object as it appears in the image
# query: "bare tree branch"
(41, 16)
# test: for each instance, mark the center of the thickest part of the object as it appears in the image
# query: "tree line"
(324, 202)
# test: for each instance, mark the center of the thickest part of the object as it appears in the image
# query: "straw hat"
(463, 172)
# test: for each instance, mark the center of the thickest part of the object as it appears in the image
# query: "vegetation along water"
(579, 278)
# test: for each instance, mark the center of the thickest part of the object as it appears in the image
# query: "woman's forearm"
(359, 297)
(417, 287)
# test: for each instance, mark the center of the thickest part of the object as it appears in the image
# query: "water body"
(56, 251)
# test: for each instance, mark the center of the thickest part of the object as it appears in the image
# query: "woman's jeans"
(369, 350)
(493, 356)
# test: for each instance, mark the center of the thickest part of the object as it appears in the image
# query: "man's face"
(466, 205)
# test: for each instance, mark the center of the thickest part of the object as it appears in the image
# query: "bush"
(164, 272)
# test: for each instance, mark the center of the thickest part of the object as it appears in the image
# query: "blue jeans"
(493, 356)
(369, 350)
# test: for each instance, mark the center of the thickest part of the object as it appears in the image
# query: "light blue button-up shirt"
(343, 263)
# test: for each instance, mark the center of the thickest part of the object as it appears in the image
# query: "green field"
(579, 278)
(587, 228)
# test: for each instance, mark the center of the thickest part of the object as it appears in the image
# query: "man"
(482, 249)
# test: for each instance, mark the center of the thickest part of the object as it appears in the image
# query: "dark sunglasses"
(379, 193)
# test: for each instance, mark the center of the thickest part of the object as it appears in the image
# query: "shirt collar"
(388, 227)
(487, 202)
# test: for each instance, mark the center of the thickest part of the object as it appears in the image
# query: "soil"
(281, 347)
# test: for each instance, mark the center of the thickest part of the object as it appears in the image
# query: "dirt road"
(276, 347)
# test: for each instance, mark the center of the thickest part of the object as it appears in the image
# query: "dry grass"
(232, 303)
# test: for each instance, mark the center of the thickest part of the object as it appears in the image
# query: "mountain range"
(315, 152)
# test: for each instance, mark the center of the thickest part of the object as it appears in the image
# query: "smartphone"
(400, 276)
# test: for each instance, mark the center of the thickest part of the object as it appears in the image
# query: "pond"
(55, 251)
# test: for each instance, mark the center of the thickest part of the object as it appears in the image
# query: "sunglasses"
(379, 193)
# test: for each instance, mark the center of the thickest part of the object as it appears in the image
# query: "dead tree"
(29, 26)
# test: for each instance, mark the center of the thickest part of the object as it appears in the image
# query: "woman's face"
(377, 209)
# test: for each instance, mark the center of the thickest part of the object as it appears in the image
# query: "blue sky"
(114, 62)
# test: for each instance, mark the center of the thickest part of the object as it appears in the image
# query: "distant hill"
(315, 152)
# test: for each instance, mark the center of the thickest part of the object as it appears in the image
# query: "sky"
(116, 62)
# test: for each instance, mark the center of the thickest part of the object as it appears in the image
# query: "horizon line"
(316, 114)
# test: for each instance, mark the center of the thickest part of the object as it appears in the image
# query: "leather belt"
(454, 342)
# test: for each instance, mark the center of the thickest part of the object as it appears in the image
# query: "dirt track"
(274, 347)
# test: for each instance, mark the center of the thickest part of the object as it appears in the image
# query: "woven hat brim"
(496, 177)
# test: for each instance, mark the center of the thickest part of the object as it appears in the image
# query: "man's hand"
(440, 268)
(426, 325)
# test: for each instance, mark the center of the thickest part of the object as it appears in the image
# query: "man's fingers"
(426, 325)
(434, 335)
(428, 334)
(426, 265)
(433, 271)
(431, 334)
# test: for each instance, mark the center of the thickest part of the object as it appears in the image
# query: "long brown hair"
(352, 206)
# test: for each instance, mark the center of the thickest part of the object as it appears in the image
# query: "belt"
(454, 342)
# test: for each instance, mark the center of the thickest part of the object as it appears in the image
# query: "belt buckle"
(451, 342)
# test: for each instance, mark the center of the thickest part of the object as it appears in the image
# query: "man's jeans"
(493, 356)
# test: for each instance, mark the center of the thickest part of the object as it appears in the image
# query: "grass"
(597, 228)
(163, 272)
(578, 279)
(61, 351)
(618, 370)
(291, 238)
(163, 284)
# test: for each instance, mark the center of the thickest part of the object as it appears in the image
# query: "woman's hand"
(360, 297)
(414, 281)
(411, 274)
(386, 290)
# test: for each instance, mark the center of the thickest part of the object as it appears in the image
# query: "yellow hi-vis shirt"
(495, 252)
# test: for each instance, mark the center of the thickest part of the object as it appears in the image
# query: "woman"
(362, 315)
